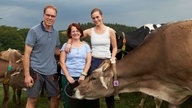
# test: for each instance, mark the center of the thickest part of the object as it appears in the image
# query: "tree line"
(14, 37)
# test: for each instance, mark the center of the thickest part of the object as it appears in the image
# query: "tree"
(11, 38)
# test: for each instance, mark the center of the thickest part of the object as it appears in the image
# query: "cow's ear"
(117, 36)
(19, 51)
(105, 65)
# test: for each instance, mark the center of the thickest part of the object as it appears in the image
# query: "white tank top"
(100, 44)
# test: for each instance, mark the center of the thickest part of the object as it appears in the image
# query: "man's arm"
(26, 64)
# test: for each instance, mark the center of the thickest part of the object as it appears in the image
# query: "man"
(41, 44)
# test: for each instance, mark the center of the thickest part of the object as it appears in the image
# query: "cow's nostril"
(73, 91)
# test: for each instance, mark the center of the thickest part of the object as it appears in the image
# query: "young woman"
(101, 38)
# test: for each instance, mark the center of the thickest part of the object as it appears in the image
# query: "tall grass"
(129, 100)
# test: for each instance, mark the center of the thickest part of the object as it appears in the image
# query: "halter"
(116, 82)
(124, 45)
(7, 74)
(115, 85)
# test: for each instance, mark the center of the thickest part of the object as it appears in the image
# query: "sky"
(28, 13)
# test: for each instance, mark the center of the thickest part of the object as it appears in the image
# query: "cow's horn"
(103, 82)
(18, 61)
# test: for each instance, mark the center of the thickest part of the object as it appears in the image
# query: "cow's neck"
(136, 66)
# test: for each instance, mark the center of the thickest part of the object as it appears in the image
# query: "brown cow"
(17, 83)
(9, 78)
(14, 57)
(161, 67)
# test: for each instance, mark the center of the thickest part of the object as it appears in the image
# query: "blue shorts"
(51, 83)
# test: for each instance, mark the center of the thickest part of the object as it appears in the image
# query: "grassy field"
(130, 100)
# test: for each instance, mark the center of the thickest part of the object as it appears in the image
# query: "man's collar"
(43, 28)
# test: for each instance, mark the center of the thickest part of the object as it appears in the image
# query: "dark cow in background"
(131, 40)
(161, 67)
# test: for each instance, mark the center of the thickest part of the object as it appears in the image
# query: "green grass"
(130, 100)
(41, 103)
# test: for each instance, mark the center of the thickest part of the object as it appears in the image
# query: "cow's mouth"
(77, 94)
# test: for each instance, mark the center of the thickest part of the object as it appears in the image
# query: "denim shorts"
(51, 83)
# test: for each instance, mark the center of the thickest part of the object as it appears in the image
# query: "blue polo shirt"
(43, 43)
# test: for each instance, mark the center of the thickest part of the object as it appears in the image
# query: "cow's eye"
(92, 78)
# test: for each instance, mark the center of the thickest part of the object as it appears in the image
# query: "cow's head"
(151, 27)
(119, 40)
(11, 54)
(98, 84)
(15, 55)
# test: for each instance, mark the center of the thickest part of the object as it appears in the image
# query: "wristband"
(84, 74)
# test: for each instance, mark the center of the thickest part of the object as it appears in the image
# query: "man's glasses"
(48, 15)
